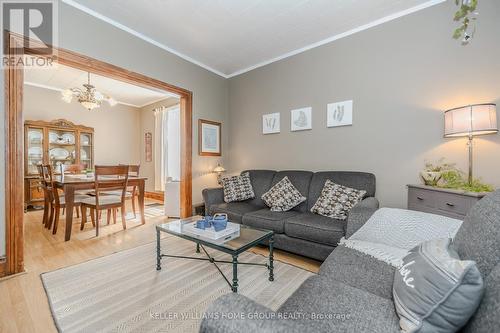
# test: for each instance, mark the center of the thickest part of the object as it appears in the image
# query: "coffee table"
(249, 237)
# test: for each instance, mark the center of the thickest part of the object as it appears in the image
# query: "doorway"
(14, 129)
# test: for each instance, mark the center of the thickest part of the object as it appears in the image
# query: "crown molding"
(263, 63)
(44, 86)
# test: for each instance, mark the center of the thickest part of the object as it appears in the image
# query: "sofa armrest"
(359, 214)
(235, 313)
(212, 196)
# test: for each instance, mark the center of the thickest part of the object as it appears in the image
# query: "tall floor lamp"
(470, 121)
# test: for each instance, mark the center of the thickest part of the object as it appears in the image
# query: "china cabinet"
(56, 142)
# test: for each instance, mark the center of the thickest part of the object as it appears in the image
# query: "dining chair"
(106, 179)
(47, 195)
(75, 169)
(55, 202)
(132, 192)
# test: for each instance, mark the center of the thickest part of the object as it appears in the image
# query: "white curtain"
(167, 145)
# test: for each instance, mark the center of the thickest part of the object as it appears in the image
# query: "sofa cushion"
(234, 210)
(261, 183)
(478, 238)
(283, 196)
(315, 228)
(358, 180)
(267, 219)
(359, 270)
(301, 181)
(486, 318)
(435, 291)
(238, 188)
(352, 309)
(336, 200)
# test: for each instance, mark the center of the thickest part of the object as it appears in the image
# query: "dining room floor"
(24, 306)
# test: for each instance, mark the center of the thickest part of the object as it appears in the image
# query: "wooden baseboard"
(3, 267)
(154, 195)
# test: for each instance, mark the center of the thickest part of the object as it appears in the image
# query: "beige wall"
(147, 124)
(401, 76)
(116, 129)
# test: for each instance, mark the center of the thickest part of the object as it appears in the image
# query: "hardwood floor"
(23, 302)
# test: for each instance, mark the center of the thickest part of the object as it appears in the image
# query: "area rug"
(123, 292)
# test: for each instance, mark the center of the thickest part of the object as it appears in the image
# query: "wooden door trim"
(14, 134)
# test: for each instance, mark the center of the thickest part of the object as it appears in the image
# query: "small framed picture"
(301, 119)
(209, 138)
(271, 123)
(339, 114)
(148, 138)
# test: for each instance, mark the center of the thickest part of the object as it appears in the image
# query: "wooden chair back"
(133, 169)
(73, 168)
(109, 178)
(47, 182)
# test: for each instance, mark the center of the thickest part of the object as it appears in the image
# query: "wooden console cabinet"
(56, 142)
(447, 202)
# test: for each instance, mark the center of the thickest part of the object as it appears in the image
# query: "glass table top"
(248, 237)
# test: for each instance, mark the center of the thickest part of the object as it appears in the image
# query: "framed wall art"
(301, 119)
(339, 114)
(209, 138)
(271, 123)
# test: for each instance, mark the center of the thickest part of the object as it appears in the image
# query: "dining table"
(71, 183)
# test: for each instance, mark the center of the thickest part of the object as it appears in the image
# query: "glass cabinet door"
(34, 142)
(86, 150)
(62, 148)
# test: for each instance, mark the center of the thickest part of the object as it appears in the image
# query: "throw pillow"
(336, 200)
(238, 188)
(283, 196)
(435, 291)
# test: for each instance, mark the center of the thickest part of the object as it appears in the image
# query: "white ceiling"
(230, 37)
(62, 77)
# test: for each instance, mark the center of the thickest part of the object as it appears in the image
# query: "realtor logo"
(36, 21)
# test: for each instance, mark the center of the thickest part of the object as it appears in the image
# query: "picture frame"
(148, 138)
(339, 114)
(209, 138)
(301, 119)
(271, 123)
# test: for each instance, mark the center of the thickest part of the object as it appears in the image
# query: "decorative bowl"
(431, 178)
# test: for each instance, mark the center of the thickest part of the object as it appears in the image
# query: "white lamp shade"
(471, 120)
(218, 168)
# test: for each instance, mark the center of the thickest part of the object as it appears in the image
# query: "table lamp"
(219, 170)
(470, 121)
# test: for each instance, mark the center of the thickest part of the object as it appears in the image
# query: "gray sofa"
(357, 289)
(298, 230)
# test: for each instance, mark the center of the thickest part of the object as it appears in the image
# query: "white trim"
(263, 63)
(44, 86)
(341, 35)
(158, 100)
(141, 36)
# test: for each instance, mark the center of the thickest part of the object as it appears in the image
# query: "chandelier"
(87, 96)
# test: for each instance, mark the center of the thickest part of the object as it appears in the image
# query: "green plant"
(463, 15)
(456, 179)
(440, 166)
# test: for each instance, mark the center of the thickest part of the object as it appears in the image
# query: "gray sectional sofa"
(298, 230)
(354, 290)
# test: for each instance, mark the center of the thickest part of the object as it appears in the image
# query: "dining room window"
(167, 145)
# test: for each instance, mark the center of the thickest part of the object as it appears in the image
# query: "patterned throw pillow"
(238, 188)
(336, 200)
(283, 196)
